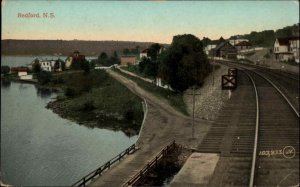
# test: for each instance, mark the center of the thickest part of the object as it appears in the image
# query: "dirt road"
(162, 125)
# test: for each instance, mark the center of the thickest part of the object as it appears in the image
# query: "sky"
(146, 21)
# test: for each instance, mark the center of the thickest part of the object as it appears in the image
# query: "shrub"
(88, 106)
(70, 92)
(5, 69)
(58, 81)
(44, 77)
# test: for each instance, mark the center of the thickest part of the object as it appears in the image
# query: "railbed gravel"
(211, 99)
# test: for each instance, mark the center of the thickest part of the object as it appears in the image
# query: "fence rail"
(143, 172)
(107, 165)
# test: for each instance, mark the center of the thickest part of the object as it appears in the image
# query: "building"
(225, 50)
(75, 57)
(51, 65)
(19, 70)
(209, 47)
(243, 45)
(237, 39)
(128, 59)
(287, 49)
(144, 54)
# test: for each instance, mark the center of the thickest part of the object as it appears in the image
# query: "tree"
(114, 59)
(143, 64)
(126, 51)
(135, 51)
(44, 77)
(153, 51)
(36, 66)
(151, 69)
(85, 66)
(103, 59)
(206, 41)
(184, 63)
(5, 70)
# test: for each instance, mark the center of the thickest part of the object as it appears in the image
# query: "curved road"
(162, 125)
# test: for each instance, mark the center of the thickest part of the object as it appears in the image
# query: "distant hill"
(50, 47)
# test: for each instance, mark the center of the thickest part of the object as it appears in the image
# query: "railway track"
(257, 147)
(277, 161)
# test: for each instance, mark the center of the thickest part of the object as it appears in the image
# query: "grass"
(135, 69)
(98, 101)
(175, 98)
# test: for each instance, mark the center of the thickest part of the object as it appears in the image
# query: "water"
(38, 148)
(14, 61)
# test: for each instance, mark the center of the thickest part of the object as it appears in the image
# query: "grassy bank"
(97, 100)
(175, 99)
(135, 69)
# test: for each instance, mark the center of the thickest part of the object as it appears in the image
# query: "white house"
(144, 53)
(286, 49)
(49, 65)
(209, 47)
(46, 65)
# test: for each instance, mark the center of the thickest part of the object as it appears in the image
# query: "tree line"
(264, 38)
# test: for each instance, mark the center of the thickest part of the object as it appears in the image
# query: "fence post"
(83, 181)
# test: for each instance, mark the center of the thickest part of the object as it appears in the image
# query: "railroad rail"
(107, 165)
(276, 134)
(287, 82)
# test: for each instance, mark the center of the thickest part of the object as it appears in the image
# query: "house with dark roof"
(286, 49)
(225, 50)
(144, 53)
(243, 45)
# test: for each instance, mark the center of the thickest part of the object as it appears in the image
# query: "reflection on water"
(44, 92)
(5, 83)
(38, 148)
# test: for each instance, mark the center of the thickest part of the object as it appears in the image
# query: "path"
(162, 125)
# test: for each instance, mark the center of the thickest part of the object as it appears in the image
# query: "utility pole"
(213, 64)
(193, 124)
(213, 73)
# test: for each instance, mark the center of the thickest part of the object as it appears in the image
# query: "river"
(38, 148)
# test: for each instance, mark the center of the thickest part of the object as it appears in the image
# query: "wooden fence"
(107, 165)
(153, 163)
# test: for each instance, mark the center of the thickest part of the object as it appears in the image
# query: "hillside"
(50, 47)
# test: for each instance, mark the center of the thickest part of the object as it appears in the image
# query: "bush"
(5, 69)
(88, 106)
(70, 92)
(44, 77)
(58, 81)
(36, 67)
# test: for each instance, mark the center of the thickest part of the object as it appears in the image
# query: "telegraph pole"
(213, 64)
(193, 124)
